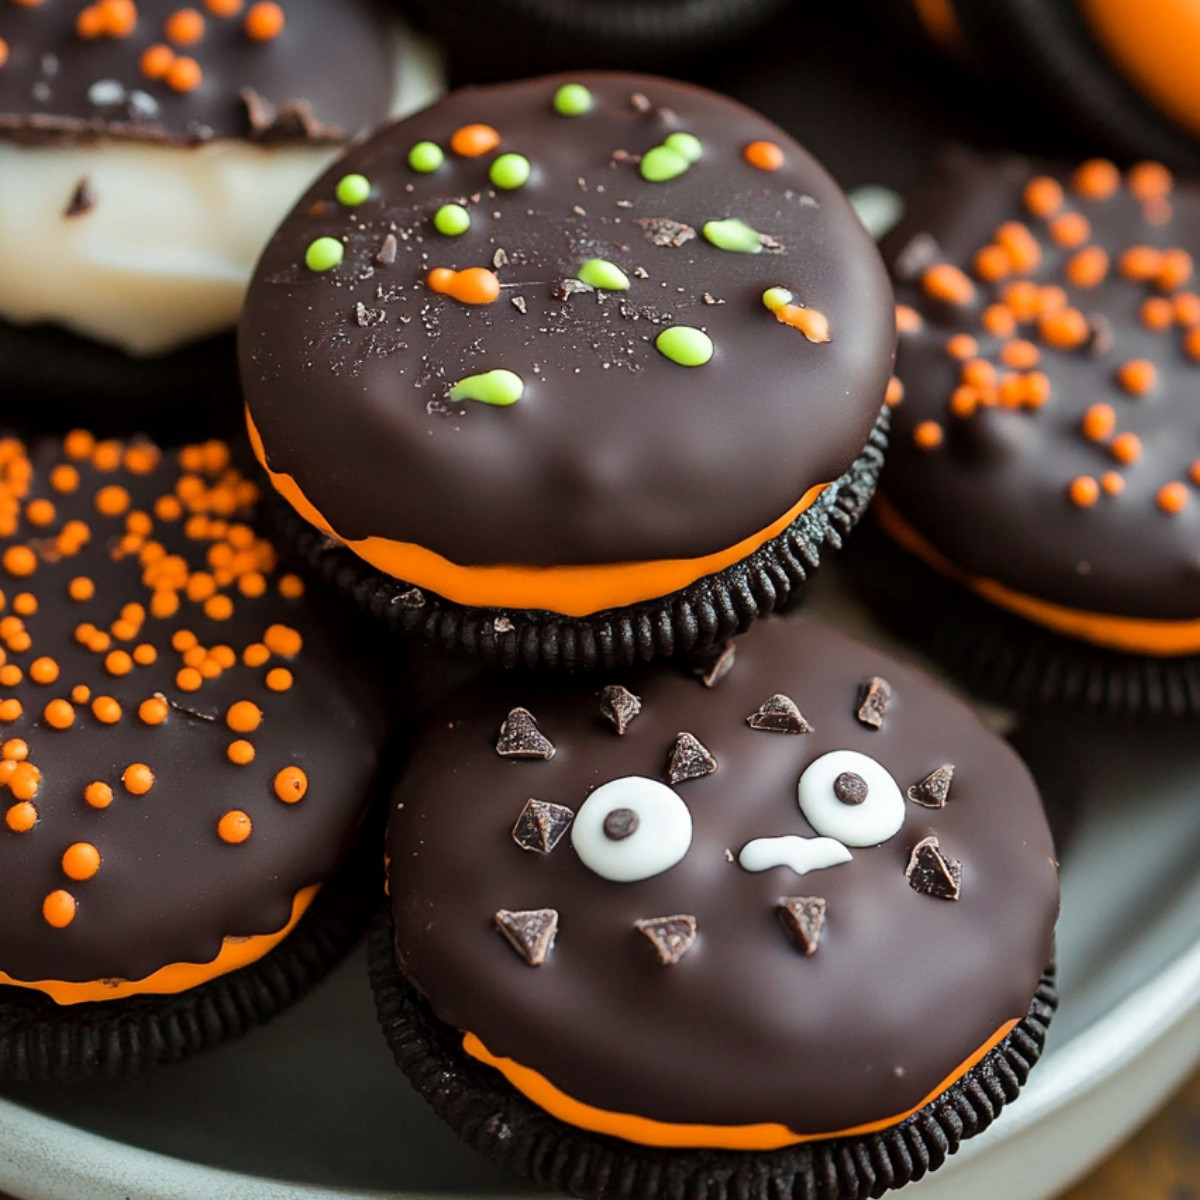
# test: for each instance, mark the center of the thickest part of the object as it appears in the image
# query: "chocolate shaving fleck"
(779, 714)
(520, 737)
(873, 699)
(570, 287)
(804, 918)
(690, 759)
(623, 156)
(672, 937)
(620, 824)
(663, 231)
(933, 873)
(640, 102)
(530, 932)
(619, 705)
(719, 667)
(386, 254)
(285, 122)
(850, 788)
(934, 789)
(772, 245)
(541, 825)
(367, 317)
(82, 200)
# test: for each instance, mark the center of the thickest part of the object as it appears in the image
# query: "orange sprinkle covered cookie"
(182, 763)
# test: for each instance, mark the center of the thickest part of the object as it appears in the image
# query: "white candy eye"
(632, 828)
(851, 797)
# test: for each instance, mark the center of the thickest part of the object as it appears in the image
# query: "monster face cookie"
(791, 925)
(186, 754)
(148, 149)
(1045, 464)
(577, 371)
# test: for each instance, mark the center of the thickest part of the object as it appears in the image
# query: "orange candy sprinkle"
(1043, 196)
(1088, 267)
(240, 752)
(264, 21)
(1112, 483)
(928, 435)
(184, 27)
(19, 561)
(992, 264)
(1150, 181)
(1099, 422)
(59, 714)
(25, 603)
(81, 589)
(118, 663)
(189, 679)
(1070, 230)
(153, 711)
(283, 640)
(224, 8)
(1020, 354)
(59, 909)
(184, 75)
(1137, 376)
(1172, 497)
(999, 321)
(908, 320)
(962, 345)
(470, 141)
(1174, 270)
(80, 861)
(234, 827)
(10, 710)
(766, 156)
(291, 587)
(943, 281)
(39, 512)
(81, 693)
(14, 750)
(43, 670)
(475, 285)
(964, 401)
(1140, 263)
(279, 679)
(1084, 491)
(1021, 247)
(138, 779)
(156, 61)
(243, 717)
(894, 393)
(1065, 329)
(290, 785)
(1194, 472)
(1157, 313)
(112, 501)
(1186, 306)
(98, 795)
(21, 818)
(1096, 179)
(106, 710)
(1126, 447)
(64, 478)
(255, 655)
(25, 781)
(78, 444)
(3, 52)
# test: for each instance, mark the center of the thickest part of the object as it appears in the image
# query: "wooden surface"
(1160, 1163)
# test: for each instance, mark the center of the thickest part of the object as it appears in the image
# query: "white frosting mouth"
(164, 254)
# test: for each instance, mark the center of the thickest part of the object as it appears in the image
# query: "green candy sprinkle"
(499, 387)
(662, 163)
(686, 145)
(600, 273)
(685, 345)
(572, 100)
(352, 190)
(452, 219)
(776, 298)
(510, 171)
(733, 235)
(426, 157)
(324, 254)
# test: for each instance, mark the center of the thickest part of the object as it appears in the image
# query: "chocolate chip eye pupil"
(850, 788)
(620, 823)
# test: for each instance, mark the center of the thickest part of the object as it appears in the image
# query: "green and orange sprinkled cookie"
(577, 371)
(185, 757)
(1046, 462)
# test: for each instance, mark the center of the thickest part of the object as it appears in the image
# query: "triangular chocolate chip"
(714, 671)
(690, 759)
(83, 199)
(873, 700)
(619, 705)
(530, 933)
(386, 254)
(541, 825)
(520, 737)
(671, 937)
(779, 714)
(934, 789)
(933, 873)
(804, 918)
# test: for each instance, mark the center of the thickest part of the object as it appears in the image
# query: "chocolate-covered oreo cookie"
(186, 754)
(592, 381)
(148, 149)
(1049, 351)
(778, 924)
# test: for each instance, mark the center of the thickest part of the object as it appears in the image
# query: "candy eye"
(851, 797)
(632, 828)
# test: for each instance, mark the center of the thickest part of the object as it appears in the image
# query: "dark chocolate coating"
(168, 888)
(745, 1028)
(334, 58)
(614, 453)
(994, 497)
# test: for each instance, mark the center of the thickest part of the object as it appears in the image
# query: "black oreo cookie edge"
(44, 1042)
(1005, 659)
(54, 380)
(704, 613)
(511, 1131)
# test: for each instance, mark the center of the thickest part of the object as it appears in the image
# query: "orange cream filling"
(647, 1132)
(576, 591)
(1133, 635)
(175, 977)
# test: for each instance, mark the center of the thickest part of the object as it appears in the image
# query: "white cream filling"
(164, 256)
